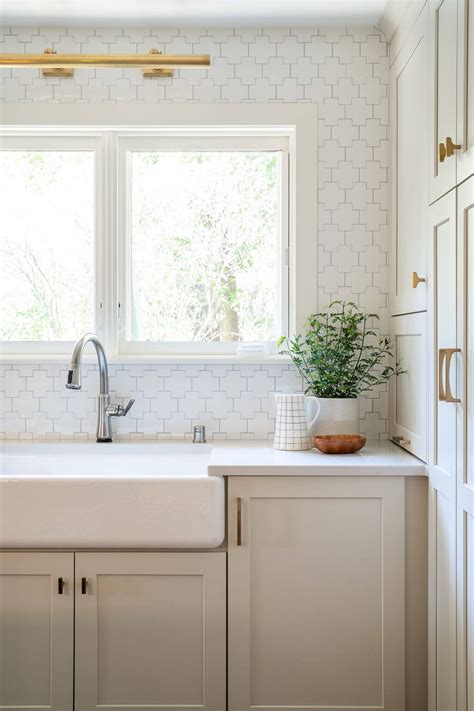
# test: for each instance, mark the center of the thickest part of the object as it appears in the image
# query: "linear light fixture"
(154, 64)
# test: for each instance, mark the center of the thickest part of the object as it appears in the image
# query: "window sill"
(144, 360)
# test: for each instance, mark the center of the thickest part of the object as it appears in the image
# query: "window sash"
(66, 142)
(202, 142)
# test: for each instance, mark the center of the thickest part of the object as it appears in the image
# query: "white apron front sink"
(115, 495)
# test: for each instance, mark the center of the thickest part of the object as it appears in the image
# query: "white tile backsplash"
(345, 71)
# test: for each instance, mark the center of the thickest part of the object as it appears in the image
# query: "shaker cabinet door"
(408, 397)
(465, 109)
(443, 96)
(443, 378)
(465, 435)
(150, 631)
(316, 593)
(36, 631)
(409, 118)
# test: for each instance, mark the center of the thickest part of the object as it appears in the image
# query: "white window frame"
(295, 124)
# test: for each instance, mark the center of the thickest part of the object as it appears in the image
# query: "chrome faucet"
(105, 409)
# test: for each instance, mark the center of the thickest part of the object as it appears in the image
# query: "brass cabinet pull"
(415, 279)
(451, 147)
(61, 584)
(449, 354)
(83, 586)
(441, 390)
(239, 521)
(399, 439)
(442, 152)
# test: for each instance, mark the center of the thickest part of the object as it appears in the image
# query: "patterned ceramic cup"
(291, 427)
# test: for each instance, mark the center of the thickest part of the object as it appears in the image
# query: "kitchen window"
(166, 242)
(204, 243)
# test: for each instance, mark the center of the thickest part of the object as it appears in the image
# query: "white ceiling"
(216, 13)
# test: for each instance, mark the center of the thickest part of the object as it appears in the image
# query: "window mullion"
(108, 272)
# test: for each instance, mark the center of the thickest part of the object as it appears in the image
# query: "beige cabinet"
(451, 94)
(451, 535)
(150, 631)
(444, 369)
(410, 177)
(465, 106)
(316, 593)
(408, 394)
(145, 630)
(443, 95)
(465, 437)
(36, 631)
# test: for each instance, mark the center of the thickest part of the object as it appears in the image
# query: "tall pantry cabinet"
(465, 446)
(432, 286)
(442, 472)
(451, 470)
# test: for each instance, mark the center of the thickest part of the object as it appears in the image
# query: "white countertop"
(260, 459)
(147, 459)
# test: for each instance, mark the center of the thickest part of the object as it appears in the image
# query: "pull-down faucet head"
(74, 381)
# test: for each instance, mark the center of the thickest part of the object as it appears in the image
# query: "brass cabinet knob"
(442, 152)
(451, 147)
(416, 280)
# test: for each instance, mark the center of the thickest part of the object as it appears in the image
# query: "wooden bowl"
(339, 444)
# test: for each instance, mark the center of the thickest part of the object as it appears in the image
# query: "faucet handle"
(128, 407)
(119, 410)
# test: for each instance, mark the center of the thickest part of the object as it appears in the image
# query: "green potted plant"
(340, 356)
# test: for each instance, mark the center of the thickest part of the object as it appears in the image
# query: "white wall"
(345, 71)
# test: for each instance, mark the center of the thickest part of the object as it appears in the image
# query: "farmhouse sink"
(117, 495)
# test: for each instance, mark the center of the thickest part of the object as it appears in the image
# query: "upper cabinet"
(409, 107)
(465, 107)
(443, 62)
(451, 94)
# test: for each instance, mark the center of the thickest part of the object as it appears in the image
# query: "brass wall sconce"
(154, 64)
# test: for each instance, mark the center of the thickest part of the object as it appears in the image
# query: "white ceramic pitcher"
(291, 427)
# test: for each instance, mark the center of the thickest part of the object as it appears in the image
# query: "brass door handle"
(451, 147)
(415, 280)
(441, 390)
(442, 152)
(449, 354)
(239, 521)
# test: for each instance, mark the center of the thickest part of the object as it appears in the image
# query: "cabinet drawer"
(408, 401)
